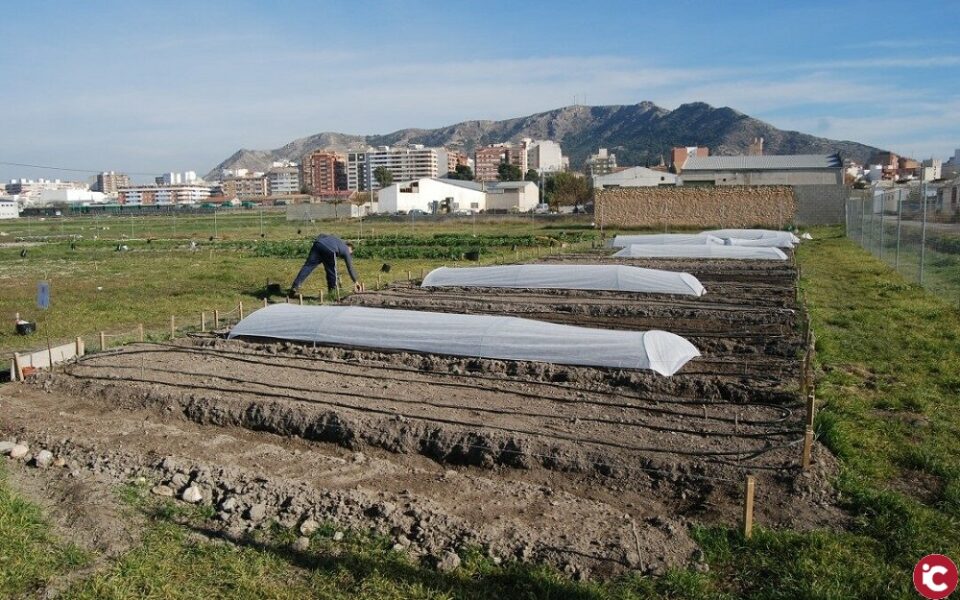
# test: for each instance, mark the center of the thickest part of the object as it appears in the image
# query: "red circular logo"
(935, 576)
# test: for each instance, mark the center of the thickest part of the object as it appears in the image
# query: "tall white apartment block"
(405, 163)
(545, 156)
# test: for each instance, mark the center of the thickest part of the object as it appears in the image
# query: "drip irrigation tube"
(784, 412)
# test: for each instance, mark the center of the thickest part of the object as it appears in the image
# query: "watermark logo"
(935, 576)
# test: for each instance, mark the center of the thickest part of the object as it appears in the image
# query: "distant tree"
(462, 172)
(566, 189)
(532, 175)
(383, 176)
(508, 172)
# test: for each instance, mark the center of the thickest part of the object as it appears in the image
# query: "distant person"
(325, 250)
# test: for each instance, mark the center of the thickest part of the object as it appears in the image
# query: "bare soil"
(593, 470)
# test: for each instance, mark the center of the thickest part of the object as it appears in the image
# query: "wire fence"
(915, 229)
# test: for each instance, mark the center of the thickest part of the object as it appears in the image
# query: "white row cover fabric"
(704, 251)
(783, 239)
(694, 239)
(508, 338)
(618, 278)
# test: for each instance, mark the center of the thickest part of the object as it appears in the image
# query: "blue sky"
(147, 87)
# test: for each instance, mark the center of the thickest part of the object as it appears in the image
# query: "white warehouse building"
(9, 209)
(427, 193)
(634, 177)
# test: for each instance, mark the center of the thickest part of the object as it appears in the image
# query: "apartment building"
(172, 194)
(601, 163)
(487, 159)
(680, 154)
(545, 156)
(110, 182)
(245, 187)
(324, 172)
(405, 163)
(283, 180)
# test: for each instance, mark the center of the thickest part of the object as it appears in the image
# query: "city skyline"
(140, 88)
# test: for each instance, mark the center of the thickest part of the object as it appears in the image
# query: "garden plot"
(593, 470)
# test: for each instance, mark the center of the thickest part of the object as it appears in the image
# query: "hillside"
(639, 134)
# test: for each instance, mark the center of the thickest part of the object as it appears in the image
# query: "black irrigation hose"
(508, 412)
(743, 455)
(785, 412)
(721, 307)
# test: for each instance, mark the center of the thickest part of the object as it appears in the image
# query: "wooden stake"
(203, 321)
(103, 341)
(421, 273)
(216, 318)
(173, 327)
(378, 281)
(50, 353)
(17, 369)
(811, 407)
(79, 346)
(300, 299)
(749, 487)
(140, 328)
(409, 276)
(240, 309)
(321, 295)
(807, 449)
(264, 302)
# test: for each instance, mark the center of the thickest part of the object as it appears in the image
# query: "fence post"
(748, 491)
(923, 229)
(421, 273)
(103, 341)
(807, 448)
(378, 281)
(300, 299)
(409, 275)
(240, 309)
(264, 302)
(216, 318)
(173, 327)
(140, 332)
(882, 211)
(899, 219)
(17, 369)
(79, 346)
(203, 322)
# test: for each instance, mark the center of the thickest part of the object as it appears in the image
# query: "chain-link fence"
(913, 228)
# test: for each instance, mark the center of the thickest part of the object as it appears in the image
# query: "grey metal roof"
(470, 185)
(762, 163)
(508, 185)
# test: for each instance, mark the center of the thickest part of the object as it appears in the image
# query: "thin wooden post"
(240, 309)
(421, 273)
(79, 346)
(300, 299)
(807, 449)
(103, 341)
(140, 329)
(748, 491)
(378, 281)
(173, 327)
(811, 407)
(216, 318)
(50, 353)
(17, 368)
(321, 295)
(264, 302)
(203, 321)
(409, 276)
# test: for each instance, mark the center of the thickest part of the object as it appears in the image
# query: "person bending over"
(325, 250)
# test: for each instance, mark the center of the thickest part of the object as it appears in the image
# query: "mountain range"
(639, 134)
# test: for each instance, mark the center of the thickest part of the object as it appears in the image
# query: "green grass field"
(96, 288)
(888, 360)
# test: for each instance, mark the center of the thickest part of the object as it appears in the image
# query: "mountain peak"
(639, 134)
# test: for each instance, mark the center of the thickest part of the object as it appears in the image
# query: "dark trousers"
(319, 254)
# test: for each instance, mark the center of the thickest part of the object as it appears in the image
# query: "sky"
(149, 87)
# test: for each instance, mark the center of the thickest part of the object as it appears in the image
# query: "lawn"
(888, 362)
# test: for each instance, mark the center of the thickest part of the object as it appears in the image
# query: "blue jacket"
(337, 247)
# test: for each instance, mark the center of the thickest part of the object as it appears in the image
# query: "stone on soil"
(19, 451)
(43, 458)
(192, 494)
